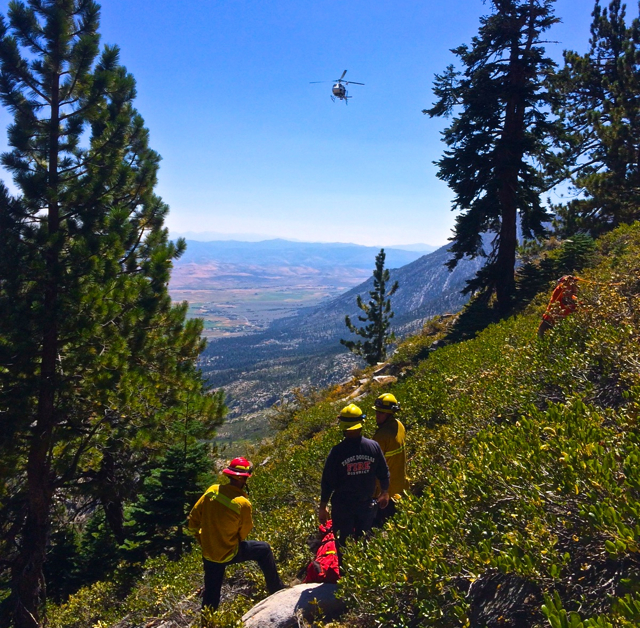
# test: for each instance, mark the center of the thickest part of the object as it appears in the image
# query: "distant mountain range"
(426, 288)
(240, 287)
(304, 350)
(299, 254)
(214, 236)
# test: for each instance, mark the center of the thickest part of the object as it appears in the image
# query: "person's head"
(570, 282)
(350, 421)
(239, 471)
(386, 405)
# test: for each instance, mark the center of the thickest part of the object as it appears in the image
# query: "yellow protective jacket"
(221, 519)
(390, 436)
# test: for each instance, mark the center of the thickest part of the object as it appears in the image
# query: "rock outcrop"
(282, 609)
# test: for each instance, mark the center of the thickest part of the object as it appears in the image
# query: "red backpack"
(325, 566)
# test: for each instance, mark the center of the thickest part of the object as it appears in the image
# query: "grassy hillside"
(525, 461)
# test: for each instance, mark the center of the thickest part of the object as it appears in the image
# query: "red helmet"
(239, 467)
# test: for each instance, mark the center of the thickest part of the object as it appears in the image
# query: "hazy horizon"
(215, 236)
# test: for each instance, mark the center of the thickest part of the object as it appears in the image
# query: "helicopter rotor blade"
(352, 83)
(311, 82)
(342, 75)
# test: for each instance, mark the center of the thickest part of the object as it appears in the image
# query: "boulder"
(385, 379)
(282, 609)
(498, 600)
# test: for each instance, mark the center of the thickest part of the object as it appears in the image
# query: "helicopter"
(339, 90)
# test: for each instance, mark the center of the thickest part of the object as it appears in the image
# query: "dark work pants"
(352, 519)
(544, 327)
(383, 514)
(248, 550)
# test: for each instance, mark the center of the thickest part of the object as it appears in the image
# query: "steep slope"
(525, 501)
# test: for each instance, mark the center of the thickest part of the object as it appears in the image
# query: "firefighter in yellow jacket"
(221, 521)
(390, 435)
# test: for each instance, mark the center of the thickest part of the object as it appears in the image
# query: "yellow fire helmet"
(386, 403)
(351, 418)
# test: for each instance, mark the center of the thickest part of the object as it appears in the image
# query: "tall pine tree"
(378, 315)
(94, 358)
(599, 100)
(498, 138)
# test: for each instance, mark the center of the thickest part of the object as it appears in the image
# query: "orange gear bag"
(325, 566)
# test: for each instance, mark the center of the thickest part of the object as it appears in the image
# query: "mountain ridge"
(304, 350)
(286, 252)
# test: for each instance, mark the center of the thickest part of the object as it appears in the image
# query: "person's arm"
(246, 521)
(382, 473)
(195, 517)
(383, 440)
(323, 513)
(327, 486)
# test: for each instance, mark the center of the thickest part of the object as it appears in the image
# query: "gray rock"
(385, 379)
(282, 609)
(356, 393)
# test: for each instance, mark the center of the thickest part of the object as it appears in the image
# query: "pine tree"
(157, 519)
(98, 551)
(378, 314)
(599, 100)
(175, 481)
(94, 359)
(497, 138)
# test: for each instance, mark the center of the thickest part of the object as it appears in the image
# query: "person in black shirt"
(349, 479)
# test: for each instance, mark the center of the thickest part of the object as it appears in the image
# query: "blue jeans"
(247, 550)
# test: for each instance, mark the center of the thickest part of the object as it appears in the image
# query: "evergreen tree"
(61, 566)
(98, 552)
(498, 138)
(174, 483)
(158, 517)
(94, 358)
(378, 314)
(551, 262)
(599, 100)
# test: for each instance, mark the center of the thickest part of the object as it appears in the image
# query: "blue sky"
(250, 147)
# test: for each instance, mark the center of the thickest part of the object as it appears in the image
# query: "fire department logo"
(358, 465)
(357, 468)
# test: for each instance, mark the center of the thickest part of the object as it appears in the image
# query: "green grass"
(525, 460)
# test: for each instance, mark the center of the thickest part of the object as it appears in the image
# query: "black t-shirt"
(351, 470)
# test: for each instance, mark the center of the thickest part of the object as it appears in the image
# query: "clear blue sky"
(249, 146)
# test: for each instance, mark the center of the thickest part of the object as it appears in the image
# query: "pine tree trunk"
(110, 497)
(509, 166)
(28, 586)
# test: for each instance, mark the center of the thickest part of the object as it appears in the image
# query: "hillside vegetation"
(525, 461)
